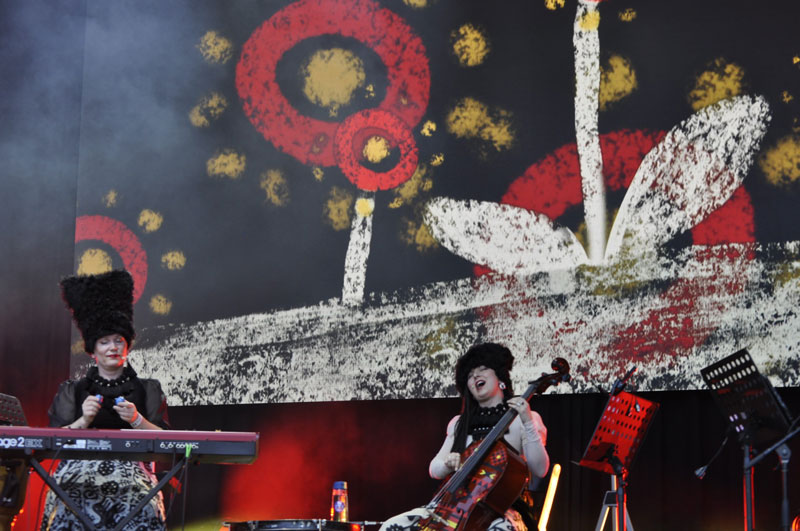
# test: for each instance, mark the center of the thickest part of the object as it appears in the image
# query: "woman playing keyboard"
(110, 396)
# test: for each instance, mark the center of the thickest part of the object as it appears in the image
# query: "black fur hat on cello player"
(493, 356)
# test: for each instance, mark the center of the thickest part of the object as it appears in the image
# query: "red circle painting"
(307, 139)
(349, 142)
(123, 240)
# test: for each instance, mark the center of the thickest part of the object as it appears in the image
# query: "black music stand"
(617, 437)
(758, 416)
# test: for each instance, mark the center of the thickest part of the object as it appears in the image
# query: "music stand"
(758, 416)
(11, 412)
(615, 442)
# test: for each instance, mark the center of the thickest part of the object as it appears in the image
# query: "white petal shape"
(508, 239)
(693, 171)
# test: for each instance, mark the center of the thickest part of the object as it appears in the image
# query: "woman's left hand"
(521, 406)
(126, 411)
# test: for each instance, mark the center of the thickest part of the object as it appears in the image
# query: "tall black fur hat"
(491, 355)
(101, 305)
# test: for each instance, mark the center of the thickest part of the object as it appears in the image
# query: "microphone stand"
(784, 454)
(758, 415)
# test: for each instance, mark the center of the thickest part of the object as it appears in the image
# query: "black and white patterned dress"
(106, 490)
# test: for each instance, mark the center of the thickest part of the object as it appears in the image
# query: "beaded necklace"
(107, 387)
(484, 419)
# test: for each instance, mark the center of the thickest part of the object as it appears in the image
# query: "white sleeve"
(437, 469)
(534, 438)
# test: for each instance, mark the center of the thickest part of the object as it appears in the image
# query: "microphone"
(701, 472)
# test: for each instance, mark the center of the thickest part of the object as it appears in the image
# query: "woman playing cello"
(484, 383)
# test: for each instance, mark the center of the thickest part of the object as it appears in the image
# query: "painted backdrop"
(326, 201)
(331, 199)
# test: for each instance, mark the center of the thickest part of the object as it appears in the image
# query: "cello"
(492, 475)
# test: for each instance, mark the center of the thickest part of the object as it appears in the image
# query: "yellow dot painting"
(721, 80)
(552, 5)
(208, 109)
(437, 159)
(627, 15)
(336, 211)
(275, 186)
(618, 79)
(160, 305)
(376, 149)
(470, 45)
(418, 235)
(781, 163)
(470, 118)
(786, 96)
(227, 163)
(428, 128)
(365, 207)
(149, 220)
(419, 182)
(173, 260)
(215, 48)
(416, 4)
(94, 262)
(110, 199)
(331, 78)
(318, 173)
(590, 21)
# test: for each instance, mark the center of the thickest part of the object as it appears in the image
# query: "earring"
(503, 386)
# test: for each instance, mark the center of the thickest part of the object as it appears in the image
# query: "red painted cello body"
(492, 476)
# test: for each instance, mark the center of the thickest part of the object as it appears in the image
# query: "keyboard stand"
(56, 488)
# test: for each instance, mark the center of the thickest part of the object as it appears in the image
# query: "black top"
(145, 393)
(483, 419)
